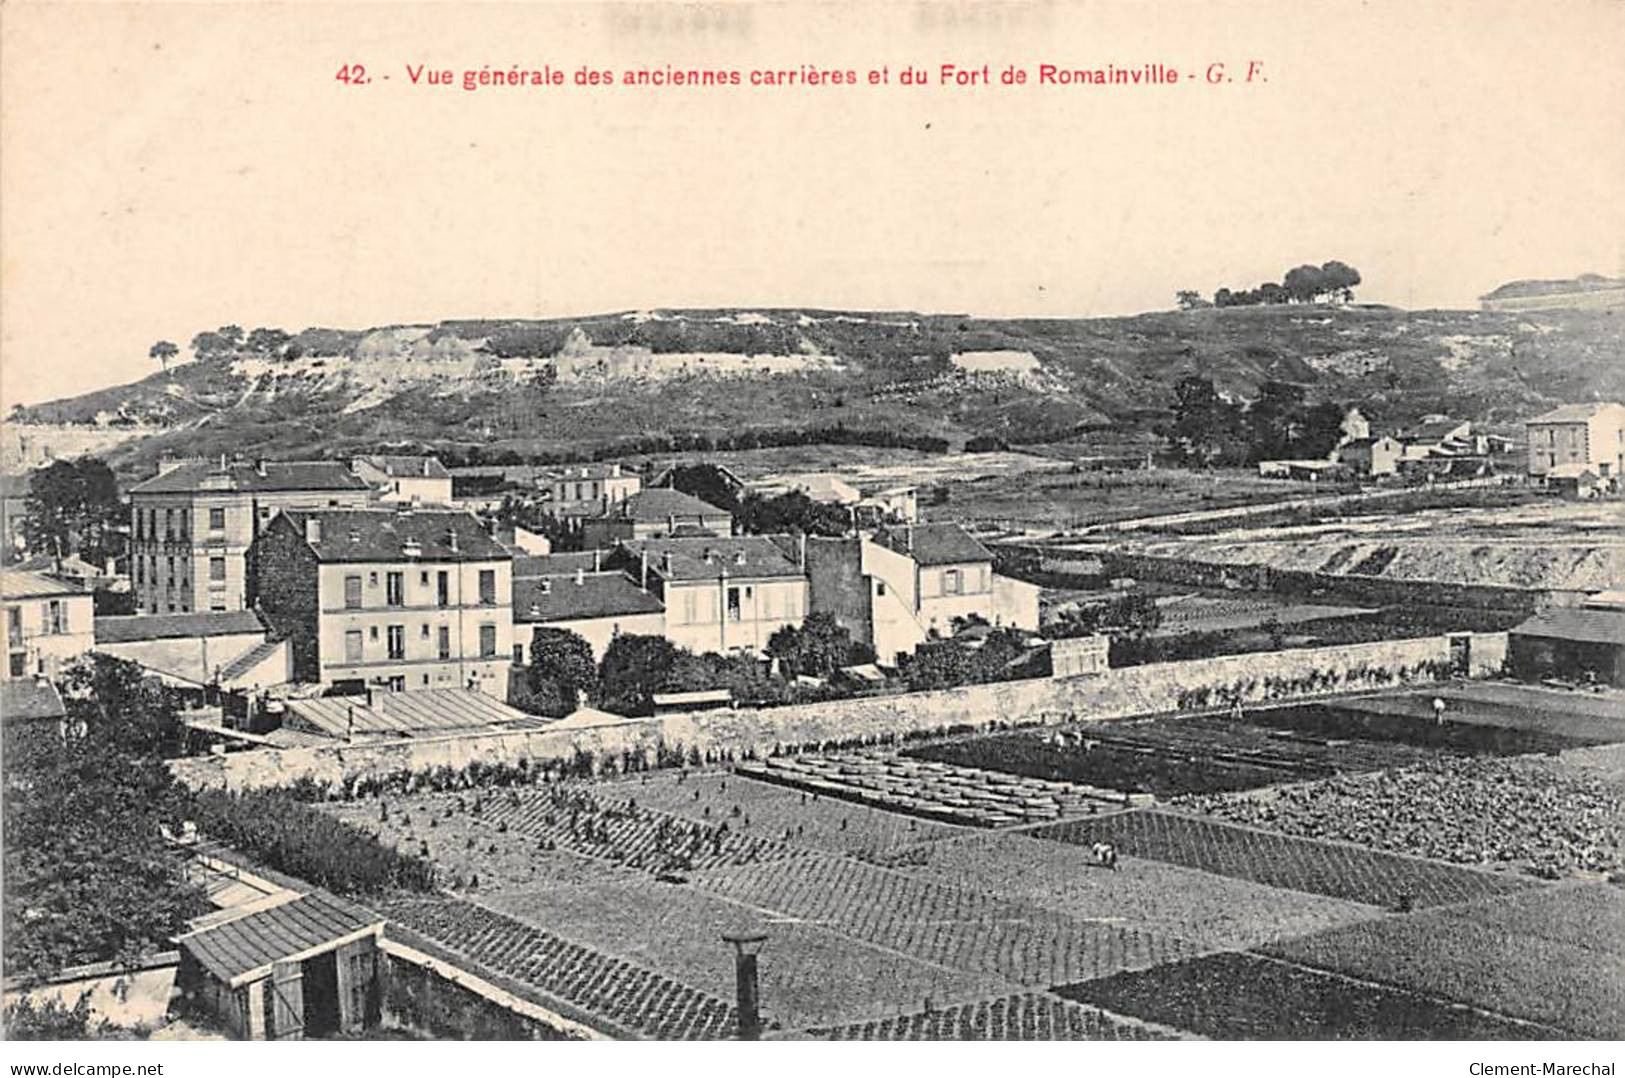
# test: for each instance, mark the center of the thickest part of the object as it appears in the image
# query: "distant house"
(1307, 471)
(893, 505)
(1589, 434)
(825, 488)
(1441, 436)
(595, 603)
(49, 623)
(721, 594)
(191, 525)
(1576, 480)
(1371, 456)
(1572, 644)
(587, 490)
(906, 583)
(402, 599)
(405, 479)
(522, 541)
(655, 513)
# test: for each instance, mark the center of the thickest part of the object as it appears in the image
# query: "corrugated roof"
(1573, 413)
(934, 544)
(739, 557)
(384, 535)
(1583, 625)
(405, 714)
(279, 475)
(408, 467)
(661, 503)
(24, 698)
(17, 585)
(132, 628)
(564, 598)
(245, 949)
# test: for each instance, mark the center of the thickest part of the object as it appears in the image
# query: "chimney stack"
(451, 539)
(259, 467)
(597, 559)
(581, 576)
(665, 563)
(313, 530)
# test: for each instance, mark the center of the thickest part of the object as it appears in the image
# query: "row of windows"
(698, 606)
(53, 621)
(394, 640)
(146, 570)
(177, 522)
(395, 588)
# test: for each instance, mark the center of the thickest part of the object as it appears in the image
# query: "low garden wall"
(441, 1000)
(1138, 690)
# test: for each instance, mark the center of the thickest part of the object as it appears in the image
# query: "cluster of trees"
(73, 508)
(1208, 429)
(1133, 615)
(226, 341)
(89, 876)
(948, 663)
(561, 673)
(1302, 284)
(755, 514)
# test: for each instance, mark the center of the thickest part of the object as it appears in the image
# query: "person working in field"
(1438, 711)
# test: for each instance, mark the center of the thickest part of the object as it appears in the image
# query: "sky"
(166, 168)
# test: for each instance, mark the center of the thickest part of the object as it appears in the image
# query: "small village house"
(721, 594)
(405, 479)
(655, 513)
(1592, 435)
(226, 648)
(1371, 456)
(402, 599)
(191, 525)
(49, 623)
(577, 593)
(1571, 644)
(588, 490)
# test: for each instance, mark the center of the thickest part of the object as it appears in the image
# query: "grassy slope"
(1098, 373)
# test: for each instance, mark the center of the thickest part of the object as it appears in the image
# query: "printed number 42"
(353, 75)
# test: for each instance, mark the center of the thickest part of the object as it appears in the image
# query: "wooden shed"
(301, 966)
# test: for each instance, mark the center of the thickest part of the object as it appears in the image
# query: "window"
(488, 587)
(519, 655)
(423, 578)
(488, 640)
(352, 646)
(136, 564)
(733, 604)
(352, 593)
(442, 589)
(425, 633)
(953, 582)
(169, 524)
(372, 580)
(444, 643)
(217, 520)
(19, 663)
(395, 588)
(14, 625)
(217, 606)
(880, 589)
(397, 641)
(396, 683)
(217, 568)
(372, 632)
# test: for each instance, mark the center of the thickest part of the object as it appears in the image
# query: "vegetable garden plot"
(958, 927)
(1238, 996)
(1409, 720)
(1322, 868)
(1030, 1016)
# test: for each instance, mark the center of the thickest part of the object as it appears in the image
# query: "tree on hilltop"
(163, 352)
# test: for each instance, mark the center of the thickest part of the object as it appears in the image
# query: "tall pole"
(747, 989)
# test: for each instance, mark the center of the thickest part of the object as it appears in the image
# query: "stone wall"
(1137, 690)
(446, 1002)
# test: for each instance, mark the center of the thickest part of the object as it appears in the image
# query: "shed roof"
(277, 475)
(934, 544)
(1583, 625)
(132, 628)
(22, 699)
(245, 949)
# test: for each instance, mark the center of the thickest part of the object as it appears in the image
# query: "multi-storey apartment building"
(586, 490)
(1592, 435)
(721, 594)
(191, 525)
(48, 623)
(397, 598)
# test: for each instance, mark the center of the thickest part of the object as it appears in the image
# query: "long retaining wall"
(1137, 690)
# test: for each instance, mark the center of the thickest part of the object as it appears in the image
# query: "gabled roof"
(934, 544)
(134, 628)
(659, 504)
(246, 948)
(565, 598)
(278, 475)
(1435, 428)
(350, 535)
(407, 467)
(18, 585)
(22, 699)
(563, 563)
(1574, 413)
(739, 557)
(1589, 626)
(1571, 469)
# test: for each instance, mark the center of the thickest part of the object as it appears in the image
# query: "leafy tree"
(73, 507)
(1190, 300)
(1273, 420)
(938, 664)
(744, 677)
(633, 669)
(266, 341)
(707, 482)
(793, 512)
(819, 647)
(54, 1020)
(231, 336)
(163, 352)
(561, 670)
(1304, 284)
(1339, 279)
(1204, 426)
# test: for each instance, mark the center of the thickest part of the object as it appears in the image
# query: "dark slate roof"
(383, 535)
(404, 467)
(22, 699)
(739, 556)
(1588, 626)
(558, 564)
(653, 506)
(563, 598)
(132, 628)
(1572, 413)
(934, 544)
(280, 475)
(244, 949)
